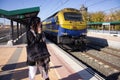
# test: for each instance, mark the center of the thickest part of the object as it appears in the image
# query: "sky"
(49, 7)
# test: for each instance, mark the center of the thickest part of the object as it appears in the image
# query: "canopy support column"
(20, 29)
(10, 42)
(17, 30)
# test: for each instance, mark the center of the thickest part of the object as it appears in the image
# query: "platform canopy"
(20, 15)
(104, 23)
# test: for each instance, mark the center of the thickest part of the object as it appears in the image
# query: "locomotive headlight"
(65, 33)
(84, 33)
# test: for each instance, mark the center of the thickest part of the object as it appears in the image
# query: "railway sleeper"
(101, 67)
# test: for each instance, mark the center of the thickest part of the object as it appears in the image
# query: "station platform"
(110, 40)
(62, 66)
(106, 36)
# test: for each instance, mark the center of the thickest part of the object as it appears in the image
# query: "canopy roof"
(100, 23)
(20, 15)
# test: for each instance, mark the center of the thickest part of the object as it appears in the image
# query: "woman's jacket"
(32, 40)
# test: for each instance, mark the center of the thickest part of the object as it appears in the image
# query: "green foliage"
(102, 17)
(114, 16)
(97, 17)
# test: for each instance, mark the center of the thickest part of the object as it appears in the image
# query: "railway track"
(104, 60)
(5, 35)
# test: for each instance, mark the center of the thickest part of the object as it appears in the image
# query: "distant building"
(83, 9)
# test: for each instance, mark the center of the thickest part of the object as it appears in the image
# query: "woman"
(35, 36)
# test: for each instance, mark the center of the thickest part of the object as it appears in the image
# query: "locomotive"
(66, 26)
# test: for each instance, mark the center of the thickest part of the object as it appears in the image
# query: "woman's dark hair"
(34, 20)
(33, 23)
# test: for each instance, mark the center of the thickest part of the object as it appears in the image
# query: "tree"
(117, 15)
(97, 16)
(114, 16)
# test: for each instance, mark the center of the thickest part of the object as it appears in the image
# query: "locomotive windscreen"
(71, 16)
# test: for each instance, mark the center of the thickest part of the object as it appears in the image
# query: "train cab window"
(56, 19)
(73, 16)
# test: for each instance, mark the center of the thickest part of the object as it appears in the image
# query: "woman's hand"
(39, 30)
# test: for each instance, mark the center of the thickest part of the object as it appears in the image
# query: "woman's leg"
(32, 72)
(43, 72)
(43, 66)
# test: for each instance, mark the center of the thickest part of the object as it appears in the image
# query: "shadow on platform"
(13, 66)
(16, 71)
(52, 67)
(9, 70)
